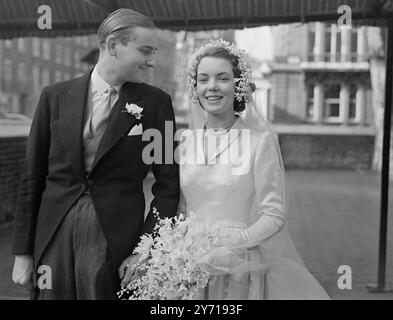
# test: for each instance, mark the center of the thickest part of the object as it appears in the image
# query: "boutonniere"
(134, 110)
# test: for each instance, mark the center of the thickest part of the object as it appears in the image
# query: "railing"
(328, 57)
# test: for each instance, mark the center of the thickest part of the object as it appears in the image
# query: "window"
(331, 105)
(333, 44)
(352, 114)
(36, 78)
(338, 45)
(58, 76)
(67, 56)
(8, 72)
(36, 47)
(77, 62)
(341, 102)
(21, 44)
(310, 101)
(46, 49)
(45, 77)
(8, 43)
(21, 72)
(328, 43)
(311, 42)
(58, 57)
(354, 45)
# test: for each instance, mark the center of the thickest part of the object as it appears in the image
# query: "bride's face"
(215, 86)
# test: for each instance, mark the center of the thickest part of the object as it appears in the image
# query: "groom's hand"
(127, 269)
(23, 271)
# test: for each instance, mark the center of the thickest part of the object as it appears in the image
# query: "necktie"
(101, 113)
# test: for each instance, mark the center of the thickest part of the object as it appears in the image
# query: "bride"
(232, 175)
(237, 179)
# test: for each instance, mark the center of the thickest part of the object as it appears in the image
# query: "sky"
(258, 42)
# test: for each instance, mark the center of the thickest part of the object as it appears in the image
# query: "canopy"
(77, 17)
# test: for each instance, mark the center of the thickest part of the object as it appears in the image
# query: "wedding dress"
(239, 182)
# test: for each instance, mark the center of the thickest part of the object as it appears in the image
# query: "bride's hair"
(240, 65)
(218, 52)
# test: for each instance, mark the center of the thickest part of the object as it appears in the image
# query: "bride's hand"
(229, 237)
(128, 269)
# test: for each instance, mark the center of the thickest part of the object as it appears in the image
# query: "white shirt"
(97, 98)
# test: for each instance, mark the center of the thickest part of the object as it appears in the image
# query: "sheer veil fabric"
(285, 274)
(281, 244)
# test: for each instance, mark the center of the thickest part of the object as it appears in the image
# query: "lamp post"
(381, 285)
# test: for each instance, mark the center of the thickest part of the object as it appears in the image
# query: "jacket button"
(89, 182)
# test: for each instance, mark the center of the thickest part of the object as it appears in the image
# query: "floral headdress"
(241, 84)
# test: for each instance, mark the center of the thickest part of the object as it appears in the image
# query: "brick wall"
(327, 151)
(12, 151)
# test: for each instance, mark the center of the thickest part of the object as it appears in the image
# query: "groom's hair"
(121, 24)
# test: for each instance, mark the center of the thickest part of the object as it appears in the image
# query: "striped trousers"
(79, 258)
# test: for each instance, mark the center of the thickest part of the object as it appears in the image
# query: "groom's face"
(135, 59)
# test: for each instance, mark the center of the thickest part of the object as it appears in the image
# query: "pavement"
(333, 219)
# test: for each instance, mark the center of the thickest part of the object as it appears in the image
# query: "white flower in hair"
(241, 84)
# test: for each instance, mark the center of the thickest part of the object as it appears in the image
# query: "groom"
(81, 205)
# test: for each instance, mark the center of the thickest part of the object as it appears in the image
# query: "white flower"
(134, 110)
(174, 268)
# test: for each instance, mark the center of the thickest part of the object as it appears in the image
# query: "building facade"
(163, 74)
(320, 97)
(29, 64)
(320, 75)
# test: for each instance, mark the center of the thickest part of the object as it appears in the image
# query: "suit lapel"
(119, 122)
(72, 110)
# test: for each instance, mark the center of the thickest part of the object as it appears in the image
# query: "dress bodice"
(213, 194)
(218, 186)
(232, 183)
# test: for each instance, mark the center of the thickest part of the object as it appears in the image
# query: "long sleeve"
(269, 184)
(166, 188)
(35, 170)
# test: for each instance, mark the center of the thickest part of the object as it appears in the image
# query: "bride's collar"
(237, 124)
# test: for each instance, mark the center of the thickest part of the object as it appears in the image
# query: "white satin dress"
(236, 193)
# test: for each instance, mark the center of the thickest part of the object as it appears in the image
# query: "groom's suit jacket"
(54, 177)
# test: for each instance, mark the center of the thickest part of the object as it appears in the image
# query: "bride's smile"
(215, 87)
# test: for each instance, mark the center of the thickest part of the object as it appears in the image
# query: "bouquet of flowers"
(175, 260)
